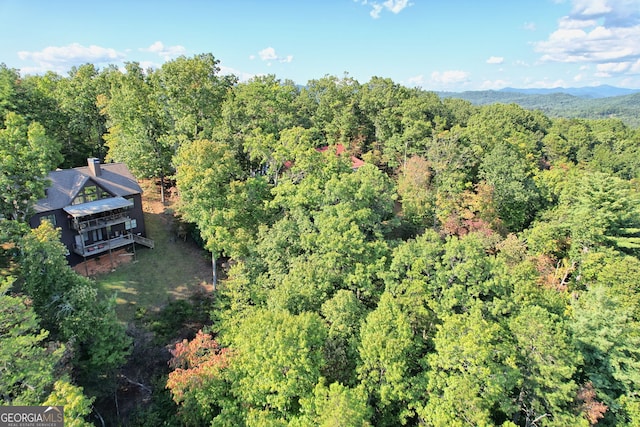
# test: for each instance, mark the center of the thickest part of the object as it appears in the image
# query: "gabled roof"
(355, 162)
(115, 178)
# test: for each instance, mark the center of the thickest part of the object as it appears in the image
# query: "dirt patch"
(104, 263)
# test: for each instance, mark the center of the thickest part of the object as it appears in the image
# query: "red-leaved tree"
(197, 381)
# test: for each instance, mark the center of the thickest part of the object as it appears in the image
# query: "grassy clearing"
(174, 269)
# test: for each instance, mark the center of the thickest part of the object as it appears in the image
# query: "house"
(97, 207)
(356, 163)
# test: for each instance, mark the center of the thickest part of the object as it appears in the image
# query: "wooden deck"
(104, 246)
(143, 241)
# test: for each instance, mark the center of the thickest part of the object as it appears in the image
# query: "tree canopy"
(391, 257)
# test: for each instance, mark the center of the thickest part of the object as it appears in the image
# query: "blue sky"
(453, 45)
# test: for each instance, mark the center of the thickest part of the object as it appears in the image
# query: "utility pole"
(214, 269)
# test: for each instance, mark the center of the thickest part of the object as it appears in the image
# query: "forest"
(480, 268)
(562, 103)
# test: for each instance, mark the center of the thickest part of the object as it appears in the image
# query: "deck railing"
(144, 241)
(103, 246)
(104, 221)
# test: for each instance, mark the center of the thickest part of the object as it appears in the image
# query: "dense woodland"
(480, 269)
(562, 104)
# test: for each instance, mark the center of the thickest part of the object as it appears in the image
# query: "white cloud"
(450, 77)
(375, 10)
(269, 54)
(416, 80)
(614, 13)
(494, 84)
(597, 45)
(145, 65)
(613, 67)
(568, 23)
(495, 60)
(165, 52)
(241, 75)
(394, 6)
(529, 26)
(601, 32)
(591, 7)
(61, 58)
(547, 84)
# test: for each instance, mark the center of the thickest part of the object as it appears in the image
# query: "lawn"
(173, 269)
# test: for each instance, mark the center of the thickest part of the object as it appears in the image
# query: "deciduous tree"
(27, 363)
(26, 157)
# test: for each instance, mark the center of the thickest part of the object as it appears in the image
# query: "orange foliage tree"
(197, 382)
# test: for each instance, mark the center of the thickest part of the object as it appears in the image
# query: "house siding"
(114, 179)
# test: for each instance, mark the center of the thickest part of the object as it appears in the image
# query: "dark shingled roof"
(67, 183)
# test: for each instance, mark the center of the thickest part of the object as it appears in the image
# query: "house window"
(130, 225)
(97, 235)
(89, 194)
(51, 218)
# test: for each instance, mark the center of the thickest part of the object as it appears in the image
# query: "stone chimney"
(94, 166)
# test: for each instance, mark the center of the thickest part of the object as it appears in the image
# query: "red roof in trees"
(355, 162)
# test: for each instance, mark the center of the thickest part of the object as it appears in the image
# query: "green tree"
(569, 140)
(594, 211)
(76, 405)
(466, 275)
(343, 314)
(417, 192)
(136, 125)
(215, 195)
(334, 406)
(335, 111)
(421, 115)
(9, 78)
(27, 365)
(547, 361)
(379, 99)
(71, 309)
(471, 373)
(193, 92)
(412, 280)
(604, 210)
(515, 193)
(454, 163)
(77, 96)
(608, 336)
(45, 273)
(37, 103)
(389, 361)
(26, 157)
(254, 114)
(338, 217)
(499, 123)
(278, 361)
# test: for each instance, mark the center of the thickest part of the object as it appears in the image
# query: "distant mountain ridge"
(587, 102)
(602, 91)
